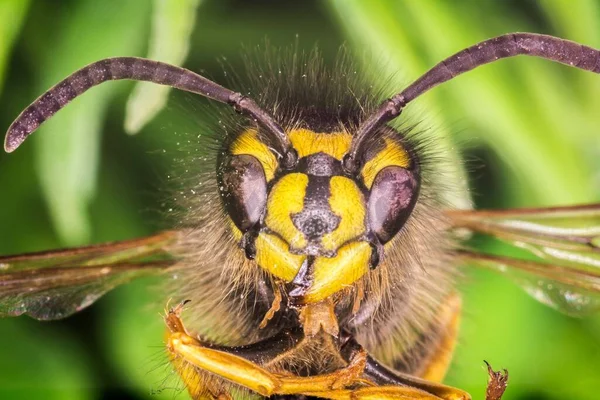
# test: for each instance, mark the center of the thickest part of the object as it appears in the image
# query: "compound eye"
(392, 199)
(243, 189)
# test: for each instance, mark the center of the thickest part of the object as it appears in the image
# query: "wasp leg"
(231, 365)
(387, 378)
(497, 382)
(377, 393)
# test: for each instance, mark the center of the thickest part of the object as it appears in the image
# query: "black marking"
(63, 93)
(80, 81)
(320, 164)
(47, 105)
(382, 375)
(377, 251)
(248, 244)
(302, 282)
(265, 350)
(316, 218)
(35, 119)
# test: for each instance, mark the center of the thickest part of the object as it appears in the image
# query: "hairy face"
(315, 225)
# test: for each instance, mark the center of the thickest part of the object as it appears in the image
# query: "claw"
(173, 320)
(497, 383)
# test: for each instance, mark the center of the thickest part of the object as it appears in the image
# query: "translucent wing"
(564, 242)
(55, 284)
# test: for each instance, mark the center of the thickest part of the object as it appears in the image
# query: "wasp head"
(314, 225)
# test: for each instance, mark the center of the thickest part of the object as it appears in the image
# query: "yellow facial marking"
(308, 142)
(249, 143)
(287, 198)
(347, 202)
(392, 154)
(273, 255)
(275, 244)
(334, 274)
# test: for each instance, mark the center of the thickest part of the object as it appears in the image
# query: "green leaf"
(172, 25)
(12, 14)
(67, 150)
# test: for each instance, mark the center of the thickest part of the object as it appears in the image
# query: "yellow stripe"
(273, 255)
(307, 142)
(249, 143)
(334, 274)
(392, 154)
(347, 202)
(287, 198)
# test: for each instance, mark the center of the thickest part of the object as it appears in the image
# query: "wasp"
(320, 258)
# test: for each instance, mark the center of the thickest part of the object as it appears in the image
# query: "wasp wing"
(562, 267)
(55, 284)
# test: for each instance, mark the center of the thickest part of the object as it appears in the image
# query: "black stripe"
(320, 164)
(316, 218)
(80, 81)
(34, 118)
(47, 105)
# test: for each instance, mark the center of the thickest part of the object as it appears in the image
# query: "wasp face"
(314, 225)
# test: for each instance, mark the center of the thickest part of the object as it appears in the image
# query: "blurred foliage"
(172, 24)
(526, 127)
(12, 13)
(66, 160)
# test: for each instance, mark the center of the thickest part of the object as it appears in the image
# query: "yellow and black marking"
(315, 231)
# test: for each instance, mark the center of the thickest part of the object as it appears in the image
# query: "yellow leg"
(250, 375)
(345, 384)
(377, 393)
(437, 390)
(388, 378)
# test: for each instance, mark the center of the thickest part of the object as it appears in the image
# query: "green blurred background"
(526, 128)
